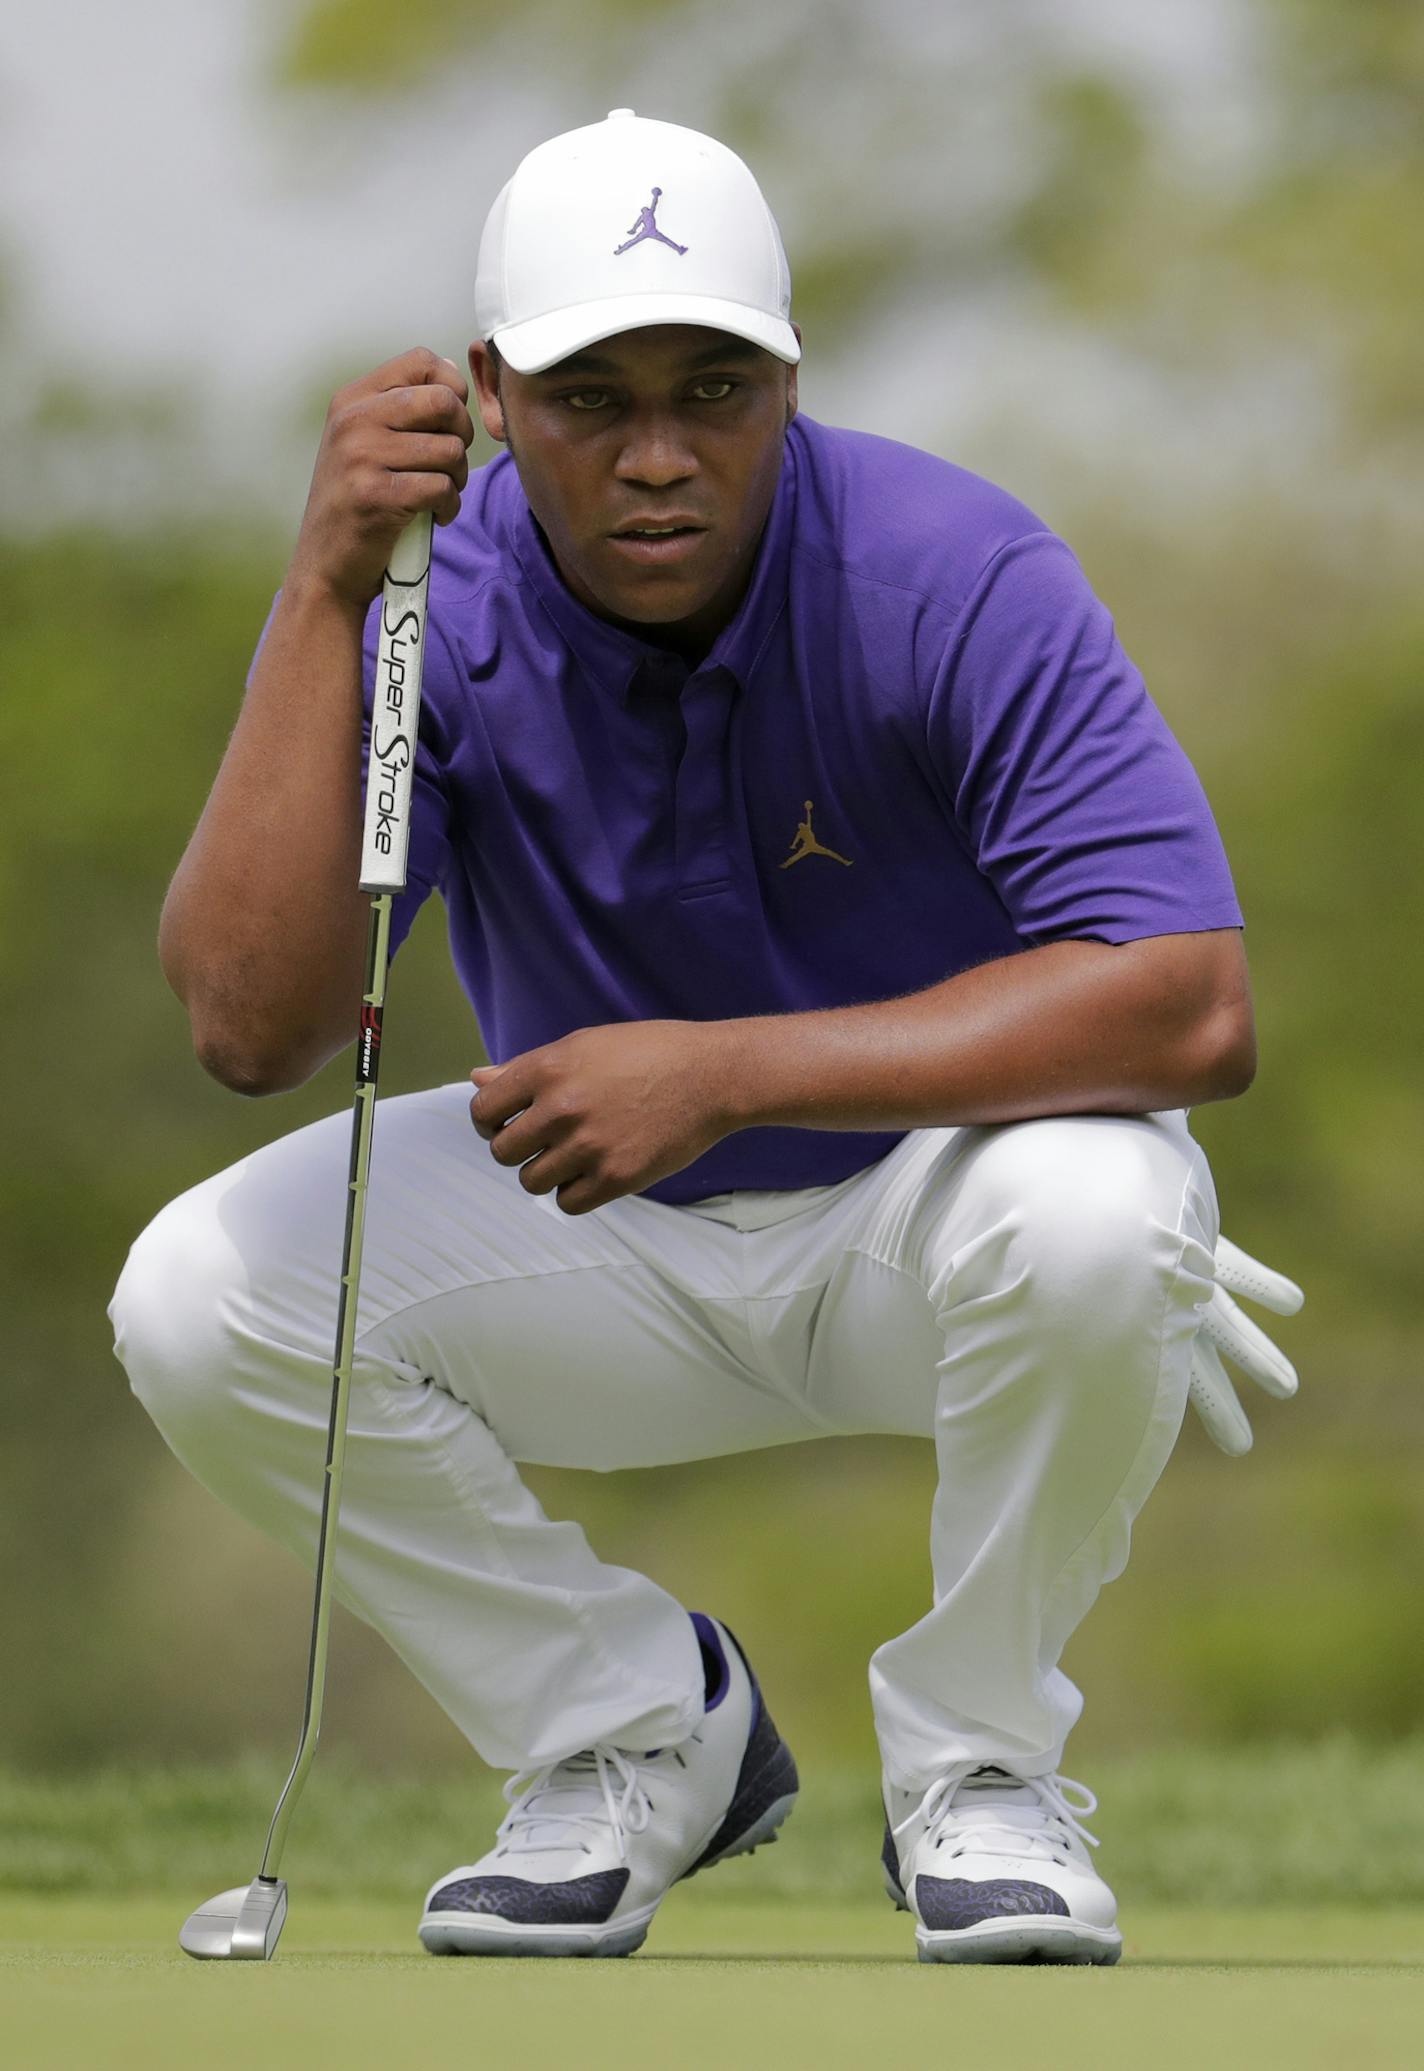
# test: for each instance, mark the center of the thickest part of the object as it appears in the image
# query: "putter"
(245, 1923)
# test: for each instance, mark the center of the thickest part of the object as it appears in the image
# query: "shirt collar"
(620, 661)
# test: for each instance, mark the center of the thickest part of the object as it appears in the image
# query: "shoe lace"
(601, 1793)
(1003, 1820)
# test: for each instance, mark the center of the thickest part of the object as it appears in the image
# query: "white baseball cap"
(623, 224)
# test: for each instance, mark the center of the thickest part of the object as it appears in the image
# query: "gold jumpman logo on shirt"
(806, 844)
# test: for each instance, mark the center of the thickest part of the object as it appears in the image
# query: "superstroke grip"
(395, 711)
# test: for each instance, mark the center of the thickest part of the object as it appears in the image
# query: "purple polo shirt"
(916, 747)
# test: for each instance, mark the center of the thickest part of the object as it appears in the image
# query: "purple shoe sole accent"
(581, 1901)
(955, 1902)
(767, 1775)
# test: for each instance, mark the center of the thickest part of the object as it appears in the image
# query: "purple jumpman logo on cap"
(646, 226)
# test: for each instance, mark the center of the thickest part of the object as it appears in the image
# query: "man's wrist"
(308, 593)
(742, 1076)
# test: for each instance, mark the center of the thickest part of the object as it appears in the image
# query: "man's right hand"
(394, 443)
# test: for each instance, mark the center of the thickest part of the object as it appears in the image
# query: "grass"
(1273, 1906)
(97, 1982)
(1329, 1823)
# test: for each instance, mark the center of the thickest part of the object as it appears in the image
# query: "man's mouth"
(659, 528)
(652, 544)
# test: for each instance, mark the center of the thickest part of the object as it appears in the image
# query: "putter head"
(242, 1924)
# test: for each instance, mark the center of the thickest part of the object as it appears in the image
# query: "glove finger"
(1243, 1274)
(1215, 1402)
(1246, 1345)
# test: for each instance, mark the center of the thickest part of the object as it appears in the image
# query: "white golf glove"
(1226, 1328)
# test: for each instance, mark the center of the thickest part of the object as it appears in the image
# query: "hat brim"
(540, 342)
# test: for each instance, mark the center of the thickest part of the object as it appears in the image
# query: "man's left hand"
(605, 1111)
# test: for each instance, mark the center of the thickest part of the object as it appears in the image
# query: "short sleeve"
(429, 854)
(1074, 797)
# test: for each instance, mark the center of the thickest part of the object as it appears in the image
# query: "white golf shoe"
(995, 1869)
(591, 1846)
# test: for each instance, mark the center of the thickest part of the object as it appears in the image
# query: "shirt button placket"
(703, 803)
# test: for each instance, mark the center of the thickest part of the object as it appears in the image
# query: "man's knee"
(1088, 1212)
(174, 1313)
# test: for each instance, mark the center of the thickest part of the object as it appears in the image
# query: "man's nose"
(655, 453)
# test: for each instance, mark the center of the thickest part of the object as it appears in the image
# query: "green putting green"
(1312, 1956)
(97, 1981)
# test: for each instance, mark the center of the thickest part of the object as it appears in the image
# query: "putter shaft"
(247, 1922)
(363, 1114)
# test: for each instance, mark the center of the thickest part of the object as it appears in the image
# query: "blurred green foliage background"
(1275, 609)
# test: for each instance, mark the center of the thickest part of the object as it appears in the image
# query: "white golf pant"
(1026, 1295)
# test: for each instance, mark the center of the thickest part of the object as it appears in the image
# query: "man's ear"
(791, 373)
(485, 376)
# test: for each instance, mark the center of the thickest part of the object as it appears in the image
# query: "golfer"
(850, 938)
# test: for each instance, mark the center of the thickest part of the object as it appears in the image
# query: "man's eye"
(586, 398)
(704, 388)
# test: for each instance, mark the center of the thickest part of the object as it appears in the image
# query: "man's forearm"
(264, 929)
(1071, 1027)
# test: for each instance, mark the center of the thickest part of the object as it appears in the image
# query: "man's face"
(674, 426)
